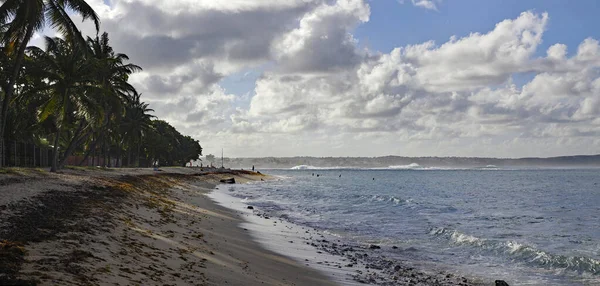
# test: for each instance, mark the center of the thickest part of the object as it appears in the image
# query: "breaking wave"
(409, 166)
(309, 167)
(413, 166)
(521, 252)
(391, 199)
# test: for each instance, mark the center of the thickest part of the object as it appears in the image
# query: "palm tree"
(112, 74)
(71, 88)
(20, 19)
(137, 123)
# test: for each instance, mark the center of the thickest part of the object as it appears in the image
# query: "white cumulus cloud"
(319, 94)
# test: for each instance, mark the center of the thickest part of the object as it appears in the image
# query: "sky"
(494, 78)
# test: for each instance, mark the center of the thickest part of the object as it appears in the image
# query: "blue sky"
(393, 24)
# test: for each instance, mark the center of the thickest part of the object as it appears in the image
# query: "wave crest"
(406, 167)
(309, 167)
(522, 252)
(390, 199)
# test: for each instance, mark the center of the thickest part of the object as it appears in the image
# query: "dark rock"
(228, 181)
(250, 207)
(373, 246)
(394, 247)
(501, 283)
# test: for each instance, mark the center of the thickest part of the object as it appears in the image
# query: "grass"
(10, 171)
(19, 171)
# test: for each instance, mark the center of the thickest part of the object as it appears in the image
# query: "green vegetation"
(74, 95)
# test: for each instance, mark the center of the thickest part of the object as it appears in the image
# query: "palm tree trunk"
(119, 153)
(94, 159)
(55, 151)
(62, 118)
(89, 152)
(104, 150)
(108, 156)
(71, 148)
(137, 158)
(74, 143)
(10, 88)
(129, 156)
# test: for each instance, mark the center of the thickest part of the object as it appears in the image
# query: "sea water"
(526, 226)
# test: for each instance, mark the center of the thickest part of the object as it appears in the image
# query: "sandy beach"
(131, 227)
(92, 226)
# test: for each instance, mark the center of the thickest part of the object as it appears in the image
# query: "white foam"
(409, 166)
(309, 167)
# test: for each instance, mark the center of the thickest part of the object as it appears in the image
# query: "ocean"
(526, 226)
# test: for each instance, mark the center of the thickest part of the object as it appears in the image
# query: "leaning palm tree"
(72, 90)
(20, 19)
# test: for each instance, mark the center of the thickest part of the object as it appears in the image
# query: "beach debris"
(12, 255)
(501, 283)
(228, 181)
(373, 246)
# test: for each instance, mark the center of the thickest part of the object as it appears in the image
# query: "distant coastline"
(578, 161)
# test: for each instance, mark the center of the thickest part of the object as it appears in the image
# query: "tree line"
(73, 95)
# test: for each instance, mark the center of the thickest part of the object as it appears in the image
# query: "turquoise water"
(525, 226)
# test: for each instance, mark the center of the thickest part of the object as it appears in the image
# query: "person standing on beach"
(252, 168)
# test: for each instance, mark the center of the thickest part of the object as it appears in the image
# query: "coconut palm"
(136, 124)
(72, 102)
(112, 74)
(20, 19)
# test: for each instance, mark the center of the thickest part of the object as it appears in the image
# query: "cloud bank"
(319, 94)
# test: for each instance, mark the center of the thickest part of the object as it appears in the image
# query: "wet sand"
(344, 261)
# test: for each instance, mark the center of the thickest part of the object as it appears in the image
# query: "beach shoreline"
(346, 262)
(169, 227)
(132, 227)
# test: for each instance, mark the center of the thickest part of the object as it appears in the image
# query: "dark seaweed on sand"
(45, 217)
